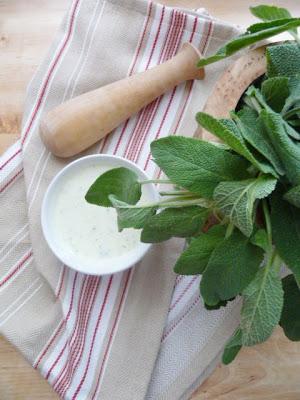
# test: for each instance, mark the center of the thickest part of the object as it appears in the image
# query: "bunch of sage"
(237, 203)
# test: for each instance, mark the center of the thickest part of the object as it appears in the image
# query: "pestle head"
(193, 55)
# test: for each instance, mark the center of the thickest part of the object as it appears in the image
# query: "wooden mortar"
(231, 85)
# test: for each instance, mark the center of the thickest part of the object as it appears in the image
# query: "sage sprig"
(237, 204)
(275, 20)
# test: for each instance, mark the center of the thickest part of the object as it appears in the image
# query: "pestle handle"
(80, 122)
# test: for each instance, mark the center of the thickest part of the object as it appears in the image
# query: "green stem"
(156, 181)
(277, 262)
(175, 193)
(256, 104)
(290, 113)
(248, 102)
(191, 202)
(181, 198)
(187, 200)
(274, 261)
(229, 230)
(216, 215)
(272, 257)
(267, 221)
(180, 201)
(252, 102)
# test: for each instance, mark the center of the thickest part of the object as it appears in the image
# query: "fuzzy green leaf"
(194, 259)
(283, 60)
(236, 199)
(232, 347)
(251, 128)
(260, 239)
(177, 222)
(270, 13)
(287, 150)
(290, 317)
(262, 305)
(227, 131)
(294, 96)
(255, 33)
(231, 267)
(276, 91)
(253, 92)
(295, 123)
(285, 219)
(196, 165)
(120, 182)
(291, 131)
(131, 216)
(293, 196)
(274, 23)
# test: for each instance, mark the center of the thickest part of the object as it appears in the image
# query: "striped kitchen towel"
(142, 333)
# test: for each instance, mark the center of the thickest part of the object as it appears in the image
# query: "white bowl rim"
(135, 255)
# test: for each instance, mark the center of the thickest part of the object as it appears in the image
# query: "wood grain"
(27, 27)
(18, 380)
(269, 371)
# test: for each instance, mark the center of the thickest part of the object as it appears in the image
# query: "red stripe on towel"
(46, 82)
(93, 339)
(111, 335)
(16, 269)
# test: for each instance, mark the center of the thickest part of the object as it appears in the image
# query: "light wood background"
(270, 371)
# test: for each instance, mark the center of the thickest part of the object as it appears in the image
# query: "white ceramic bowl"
(108, 265)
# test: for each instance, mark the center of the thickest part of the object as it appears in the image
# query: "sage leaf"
(293, 99)
(270, 13)
(275, 91)
(260, 239)
(196, 165)
(120, 182)
(283, 60)
(290, 317)
(293, 196)
(252, 129)
(287, 150)
(253, 92)
(285, 220)
(177, 222)
(294, 122)
(254, 99)
(130, 216)
(236, 199)
(194, 259)
(262, 306)
(232, 265)
(274, 23)
(255, 33)
(227, 131)
(291, 131)
(233, 346)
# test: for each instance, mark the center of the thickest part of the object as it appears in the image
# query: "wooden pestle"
(80, 122)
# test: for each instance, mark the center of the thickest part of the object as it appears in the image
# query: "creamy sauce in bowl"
(89, 231)
(83, 235)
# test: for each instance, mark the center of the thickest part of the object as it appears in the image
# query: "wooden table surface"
(269, 371)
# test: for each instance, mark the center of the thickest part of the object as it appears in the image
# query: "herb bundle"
(237, 203)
